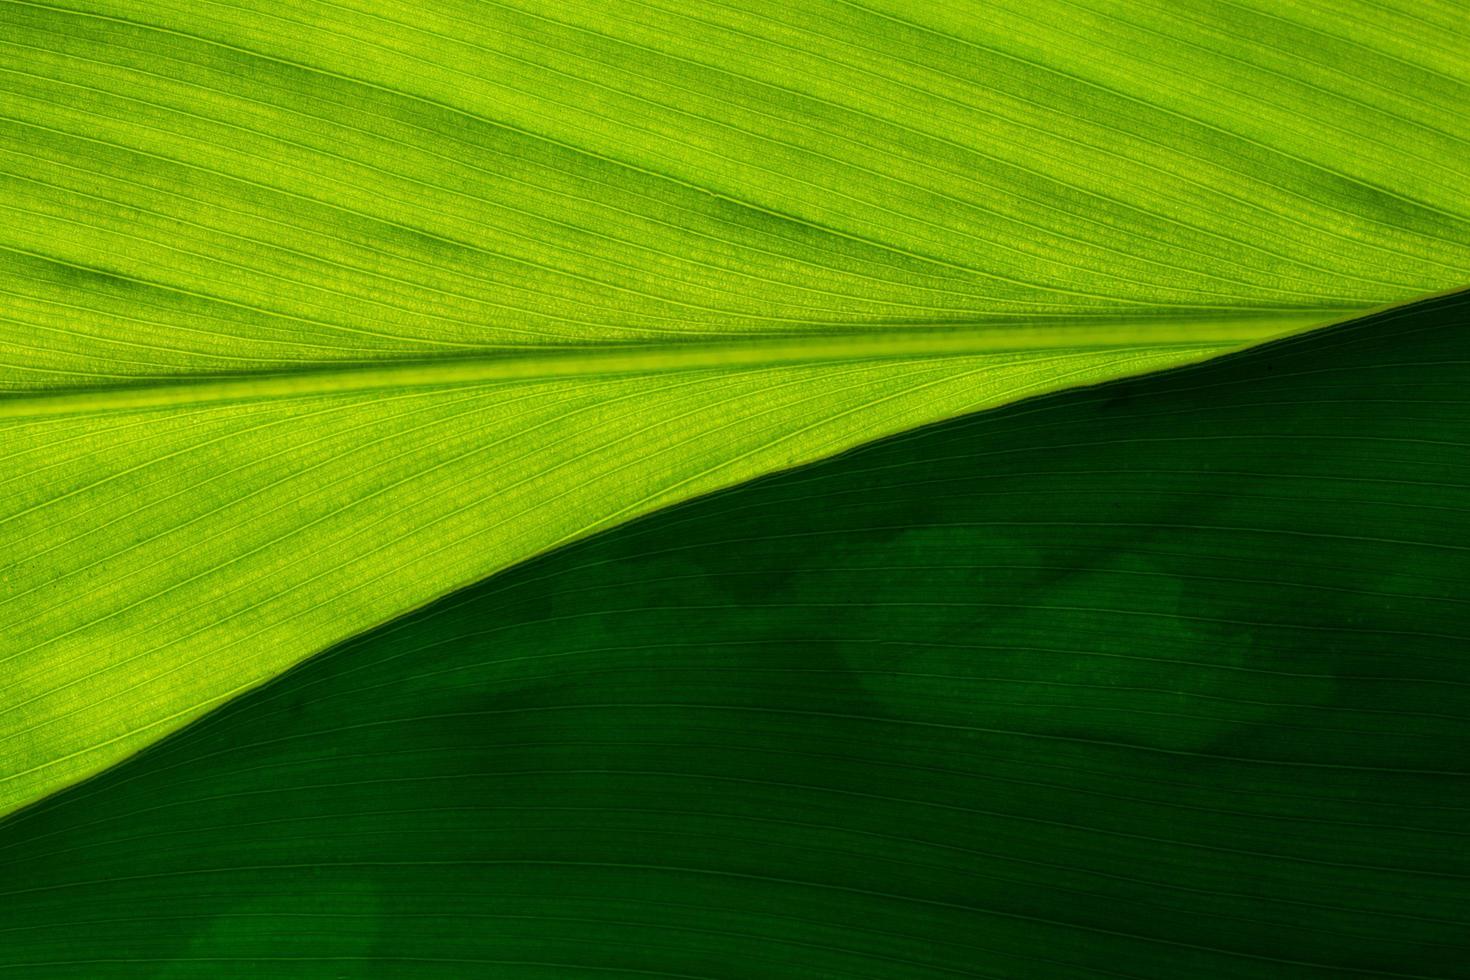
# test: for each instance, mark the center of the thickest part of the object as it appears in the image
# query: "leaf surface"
(1160, 679)
(312, 311)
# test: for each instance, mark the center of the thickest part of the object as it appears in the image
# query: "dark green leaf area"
(1165, 678)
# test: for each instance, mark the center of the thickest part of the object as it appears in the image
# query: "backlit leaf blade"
(339, 205)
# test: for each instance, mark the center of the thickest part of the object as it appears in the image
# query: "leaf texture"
(1160, 679)
(312, 311)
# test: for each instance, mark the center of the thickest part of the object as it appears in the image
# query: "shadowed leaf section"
(1161, 679)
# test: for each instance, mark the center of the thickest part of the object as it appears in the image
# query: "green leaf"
(1160, 679)
(312, 311)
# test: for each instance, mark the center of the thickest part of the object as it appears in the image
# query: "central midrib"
(1205, 335)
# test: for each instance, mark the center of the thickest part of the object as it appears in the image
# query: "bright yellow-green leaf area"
(311, 310)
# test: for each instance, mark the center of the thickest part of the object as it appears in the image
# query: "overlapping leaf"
(1164, 679)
